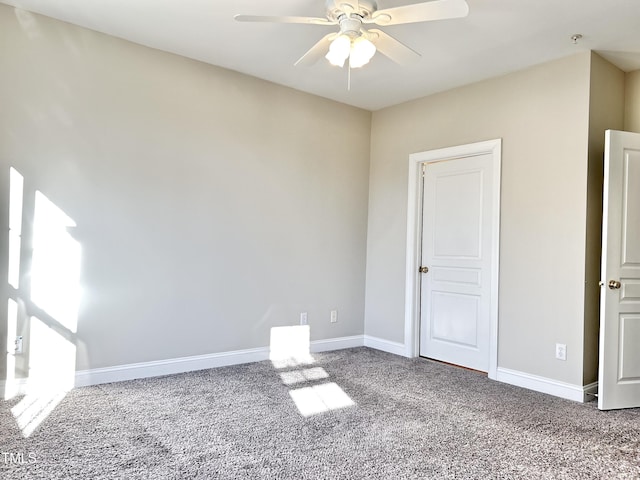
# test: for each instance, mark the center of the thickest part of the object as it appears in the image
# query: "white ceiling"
(498, 36)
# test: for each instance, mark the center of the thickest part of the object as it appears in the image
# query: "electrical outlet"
(18, 345)
(303, 319)
(561, 351)
(334, 316)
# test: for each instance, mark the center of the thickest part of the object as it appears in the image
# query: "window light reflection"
(289, 346)
(11, 387)
(55, 270)
(16, 188)
(307, 375)
(51, 376)
(320, 399)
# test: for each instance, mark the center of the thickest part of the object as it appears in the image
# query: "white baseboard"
(96, 376)
(385, 345)
(171, 366)
(336, 343)
(590, 392)
(577, 393)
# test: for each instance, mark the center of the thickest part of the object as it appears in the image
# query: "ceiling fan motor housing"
(350, 26)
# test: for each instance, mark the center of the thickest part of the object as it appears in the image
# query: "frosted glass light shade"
(362, 51)
(339, 50)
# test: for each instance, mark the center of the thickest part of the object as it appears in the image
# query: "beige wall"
(210, 206)
(606, 111)
(542, 116)
(632, 102)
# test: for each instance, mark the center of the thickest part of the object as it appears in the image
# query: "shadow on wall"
(42, 305)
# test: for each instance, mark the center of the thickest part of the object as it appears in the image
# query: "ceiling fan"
(359, 44)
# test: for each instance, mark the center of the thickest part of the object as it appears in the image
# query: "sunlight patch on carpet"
(33, 409)
(320, 399)
(306, 375)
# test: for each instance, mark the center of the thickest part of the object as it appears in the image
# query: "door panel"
(453, 275)
(619, 373)
(455, 301)
(629, 341)
(456, 228)
(455, 318)
(631, 209)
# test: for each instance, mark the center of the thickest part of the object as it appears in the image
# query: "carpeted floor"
(408, 419)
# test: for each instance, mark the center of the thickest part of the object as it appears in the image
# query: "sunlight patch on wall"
(50, 301)
(16, 193)
(16, 188)
(289, 346)
(52, 359)
(51, 375)
(11, 387)
(55, 269)
(320, 398)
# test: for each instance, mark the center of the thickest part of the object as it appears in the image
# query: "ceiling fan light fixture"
(355, 41)
(339, 50)
(362, 51)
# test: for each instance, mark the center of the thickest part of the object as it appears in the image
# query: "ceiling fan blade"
(392, 48)
(420, 12)
(305, 20)
(316, 52)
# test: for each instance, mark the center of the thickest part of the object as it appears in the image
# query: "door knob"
(614, 284)
(423, 269)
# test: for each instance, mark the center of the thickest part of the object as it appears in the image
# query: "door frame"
(414, 240)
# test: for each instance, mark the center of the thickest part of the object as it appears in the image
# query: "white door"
(619, 375)
(457, 239)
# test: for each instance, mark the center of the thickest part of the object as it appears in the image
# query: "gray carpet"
(411, 418)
